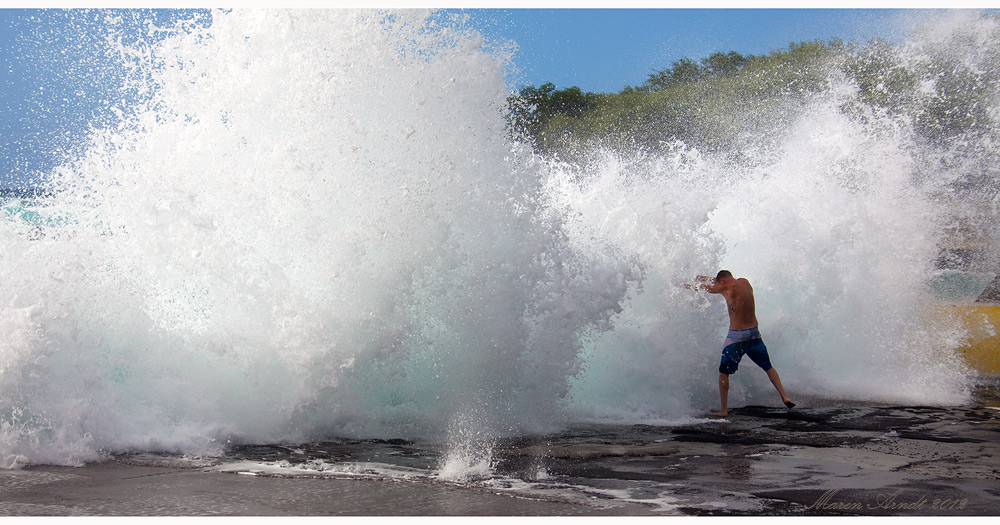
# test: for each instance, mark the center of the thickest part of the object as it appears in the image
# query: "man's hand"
(701, 282)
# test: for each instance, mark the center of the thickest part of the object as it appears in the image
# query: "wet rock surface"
(821, 458)
(842, 460)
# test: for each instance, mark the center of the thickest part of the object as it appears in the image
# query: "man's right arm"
(707, 283)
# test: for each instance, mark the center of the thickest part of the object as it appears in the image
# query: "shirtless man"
(743, 337)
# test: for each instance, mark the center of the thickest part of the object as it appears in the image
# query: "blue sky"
(47, 99)
(603, 50)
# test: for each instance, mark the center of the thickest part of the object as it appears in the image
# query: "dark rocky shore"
(820, 458)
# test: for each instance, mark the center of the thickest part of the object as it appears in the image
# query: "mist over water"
(316, 225)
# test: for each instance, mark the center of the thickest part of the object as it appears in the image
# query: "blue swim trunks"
(739, 342)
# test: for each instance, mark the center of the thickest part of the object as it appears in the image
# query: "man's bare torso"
(739, 298)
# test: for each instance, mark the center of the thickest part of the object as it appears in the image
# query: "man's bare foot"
(721, 413)
(789, 403)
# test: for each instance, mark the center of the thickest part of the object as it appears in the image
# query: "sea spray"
(837, 217)
(834, 235)
(313, 224)
(470, 447)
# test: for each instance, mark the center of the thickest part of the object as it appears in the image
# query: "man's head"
(722, 275)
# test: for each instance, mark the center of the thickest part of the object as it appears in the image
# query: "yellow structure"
(982, 321)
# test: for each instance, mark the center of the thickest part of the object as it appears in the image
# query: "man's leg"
(758, 353)
(772, 374)
(723, 394)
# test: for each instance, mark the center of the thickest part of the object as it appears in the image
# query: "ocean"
(313, 250)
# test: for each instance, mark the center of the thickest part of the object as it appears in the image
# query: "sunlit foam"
(317, 226)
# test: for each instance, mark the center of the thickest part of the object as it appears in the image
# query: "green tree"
(681, 71)
(883, 82)
(534, 107)
(721, 64)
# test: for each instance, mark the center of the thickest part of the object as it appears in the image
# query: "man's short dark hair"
(724, 274)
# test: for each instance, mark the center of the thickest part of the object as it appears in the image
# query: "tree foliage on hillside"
(533, 108)
(728, 100)
(717, 64)
(695, 102)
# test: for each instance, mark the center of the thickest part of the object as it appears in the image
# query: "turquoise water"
(959, 286)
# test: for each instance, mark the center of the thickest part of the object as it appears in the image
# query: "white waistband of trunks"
(735, 336)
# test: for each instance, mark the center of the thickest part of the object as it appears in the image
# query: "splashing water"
(316, 225)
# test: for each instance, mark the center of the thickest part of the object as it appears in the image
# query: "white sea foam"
(316, 225)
